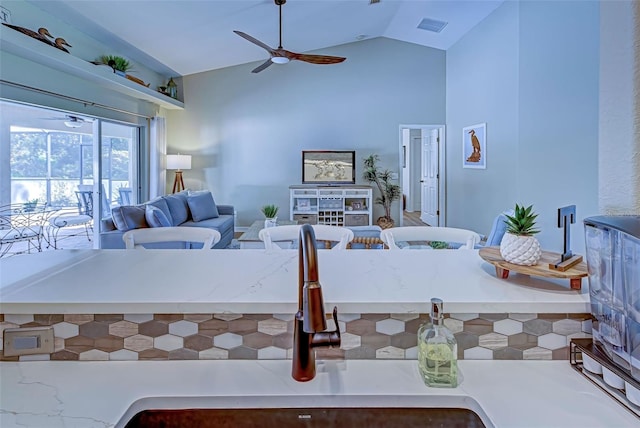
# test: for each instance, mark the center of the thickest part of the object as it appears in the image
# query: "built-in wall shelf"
(26, 47)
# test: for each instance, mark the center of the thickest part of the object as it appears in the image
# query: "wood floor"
(412, 219)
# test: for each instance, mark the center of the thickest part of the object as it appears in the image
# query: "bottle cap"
(436, 308)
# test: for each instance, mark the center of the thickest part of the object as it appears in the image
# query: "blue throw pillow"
(161, 203)
(178, 207)
(202, 206)
(155, 217)
(127, 217)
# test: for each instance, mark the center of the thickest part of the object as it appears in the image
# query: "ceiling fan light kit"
(282, 56)
(69, 120)
(72, 124)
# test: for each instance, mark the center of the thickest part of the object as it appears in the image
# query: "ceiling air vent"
(432, 25)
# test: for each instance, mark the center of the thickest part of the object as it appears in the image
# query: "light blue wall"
(246, 131)
(558, 154)
(531, 74)
(482, 87)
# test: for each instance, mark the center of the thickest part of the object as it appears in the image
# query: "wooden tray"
(574, 274)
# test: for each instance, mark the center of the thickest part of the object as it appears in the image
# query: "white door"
(429, 179)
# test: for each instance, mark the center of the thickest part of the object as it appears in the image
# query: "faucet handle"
(337, 330)
(333, 337)
(328, 338)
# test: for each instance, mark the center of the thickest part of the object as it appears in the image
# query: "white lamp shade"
(179, 162)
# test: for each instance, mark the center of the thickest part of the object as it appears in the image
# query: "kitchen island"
(259, 281)
(132, 295)
(172, 304)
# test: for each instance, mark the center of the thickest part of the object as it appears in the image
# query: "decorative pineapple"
(519, 246)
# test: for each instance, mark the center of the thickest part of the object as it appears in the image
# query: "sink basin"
(326, 411)
(340, 417)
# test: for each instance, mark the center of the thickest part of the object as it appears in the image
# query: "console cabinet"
(332, 205)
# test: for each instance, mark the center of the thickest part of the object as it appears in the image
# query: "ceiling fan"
(70, 121)
(282, 56)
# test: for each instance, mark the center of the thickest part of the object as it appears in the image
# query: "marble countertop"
(106, 394)
(260, 281)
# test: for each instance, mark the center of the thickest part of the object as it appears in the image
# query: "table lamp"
(178, 162)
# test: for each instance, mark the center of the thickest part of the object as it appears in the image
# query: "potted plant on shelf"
(389, 192)
(518, 245)
(270, 215)
(120, 65)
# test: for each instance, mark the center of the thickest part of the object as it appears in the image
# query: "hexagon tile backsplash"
(102, 337)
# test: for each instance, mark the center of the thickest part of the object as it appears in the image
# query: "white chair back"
(137, 237)
(392, 236)
(291, 233)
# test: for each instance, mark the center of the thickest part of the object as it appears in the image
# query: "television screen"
(329, 166)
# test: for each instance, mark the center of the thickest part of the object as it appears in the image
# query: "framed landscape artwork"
(474, 146)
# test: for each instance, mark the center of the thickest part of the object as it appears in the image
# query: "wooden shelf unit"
(331, 205)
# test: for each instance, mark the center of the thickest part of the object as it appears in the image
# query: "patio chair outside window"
(22, 227)
(126, 195)
(67, 219)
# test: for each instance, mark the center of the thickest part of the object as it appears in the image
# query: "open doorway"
(422, 162)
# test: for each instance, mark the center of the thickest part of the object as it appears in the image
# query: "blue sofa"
(190, 209)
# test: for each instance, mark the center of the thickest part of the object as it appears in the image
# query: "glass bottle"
(172, 88)
(437, 350)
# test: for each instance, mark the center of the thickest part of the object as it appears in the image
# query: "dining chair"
(397, 238)
(280, 237)
(136, 238)
(498, 229)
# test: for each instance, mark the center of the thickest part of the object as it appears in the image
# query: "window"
(47, 159)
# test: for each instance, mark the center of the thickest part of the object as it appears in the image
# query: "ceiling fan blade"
(283, 56)
(254, 40)
(262, 66)
(314, 59)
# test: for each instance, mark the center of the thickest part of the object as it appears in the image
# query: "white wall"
(246, 131)
(532, 74)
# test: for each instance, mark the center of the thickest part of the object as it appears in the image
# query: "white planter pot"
(520, 250)
(270, 222)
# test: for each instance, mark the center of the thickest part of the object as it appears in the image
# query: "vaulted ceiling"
(186, 36)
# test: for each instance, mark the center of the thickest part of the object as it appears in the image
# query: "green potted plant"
(118, 63)
(518, 245)
(439, 245)
(270, 215)
(389, 191)
(30, 205)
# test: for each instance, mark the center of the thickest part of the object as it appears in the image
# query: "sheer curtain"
(157, 170)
